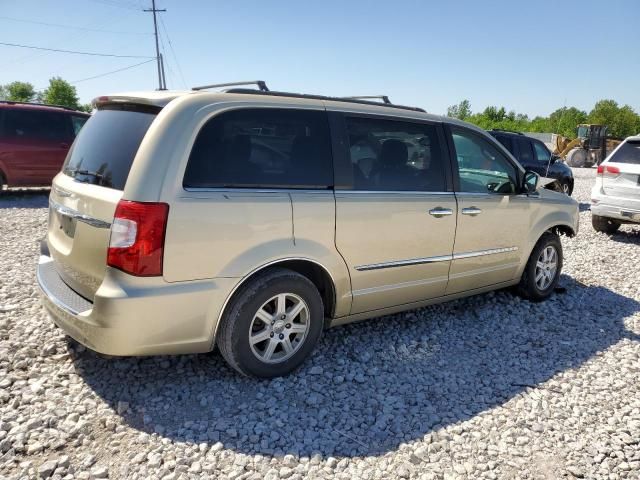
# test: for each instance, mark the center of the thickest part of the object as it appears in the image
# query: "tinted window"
(78, 122)
(387, 155)
(506, 141)
(271, 148)
(36, 125)
(526, 154)
(482, 168)
(629, 152)
(542, 153)
(104, 150)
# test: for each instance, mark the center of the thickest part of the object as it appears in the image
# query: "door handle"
(439, 212)
(473, 211)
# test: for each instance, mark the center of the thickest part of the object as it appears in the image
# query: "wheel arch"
(558, 227)
(317, 273)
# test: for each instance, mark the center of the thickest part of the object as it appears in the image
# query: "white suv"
(615, 198)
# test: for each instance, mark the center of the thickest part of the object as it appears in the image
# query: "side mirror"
(554, 158)
(530, 181)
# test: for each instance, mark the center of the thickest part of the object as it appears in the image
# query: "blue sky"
(531, 56)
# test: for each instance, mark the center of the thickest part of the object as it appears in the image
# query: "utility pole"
(161, 84)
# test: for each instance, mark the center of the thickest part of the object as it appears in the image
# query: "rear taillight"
(603, 169)
(136, 245)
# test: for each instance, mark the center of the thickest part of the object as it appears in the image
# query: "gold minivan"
(254, 219)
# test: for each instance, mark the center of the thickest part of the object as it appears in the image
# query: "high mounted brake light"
(136, 245)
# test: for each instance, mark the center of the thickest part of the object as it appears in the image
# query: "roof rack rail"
(11, 102)
(249, 91)
(384, 98)
(262, 86)
(506, 131)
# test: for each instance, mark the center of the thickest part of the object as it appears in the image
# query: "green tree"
(3, 93)
(61, 92)
(565, 120)
(461, 111)
(85, 107)
(19, 92)
(621, 121)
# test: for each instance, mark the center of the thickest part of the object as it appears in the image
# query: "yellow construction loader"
(589, 148)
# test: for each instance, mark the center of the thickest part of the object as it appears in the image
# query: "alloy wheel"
(279, 327)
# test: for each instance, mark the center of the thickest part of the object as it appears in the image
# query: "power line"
(72, 51)
(73, 27)
(173, 53)
(113, 71)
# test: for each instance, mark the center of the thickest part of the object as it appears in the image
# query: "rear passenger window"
(526, 154)
(36, 125)
(506, 142)
(388, 155)
(267, 148)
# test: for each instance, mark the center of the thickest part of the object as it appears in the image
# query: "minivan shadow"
(370, 386)
(25, 198)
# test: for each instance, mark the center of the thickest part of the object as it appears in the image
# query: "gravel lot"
(486, 387)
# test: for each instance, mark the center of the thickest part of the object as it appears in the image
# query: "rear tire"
(543, 269)
(604, 224)
(272, 324)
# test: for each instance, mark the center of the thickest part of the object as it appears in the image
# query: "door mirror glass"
(530, 181)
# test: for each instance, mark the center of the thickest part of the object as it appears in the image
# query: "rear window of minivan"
(104, 149)
(629, 152)
(262, 148)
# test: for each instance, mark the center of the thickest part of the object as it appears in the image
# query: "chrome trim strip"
(57, 302)
(403, 263)
(81, 217)
(256, 190)
(390, 192)
(480, 253)
(311, 190)
(441, 258)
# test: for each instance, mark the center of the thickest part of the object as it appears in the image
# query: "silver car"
(615, 198)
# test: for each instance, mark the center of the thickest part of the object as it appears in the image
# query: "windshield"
(583, 132)
(629, 152)
(104, 150)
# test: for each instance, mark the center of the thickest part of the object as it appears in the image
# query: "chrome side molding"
(403, 263)
(441, 258)
(81, 217)
(480, 253)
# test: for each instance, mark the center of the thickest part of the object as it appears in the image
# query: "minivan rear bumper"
(136, 316)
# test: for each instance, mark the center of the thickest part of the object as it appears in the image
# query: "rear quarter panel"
(230, 232)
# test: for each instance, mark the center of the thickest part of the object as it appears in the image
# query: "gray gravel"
(486, 387)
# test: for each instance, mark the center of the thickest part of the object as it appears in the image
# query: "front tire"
(604, 224)
(543, 269)
(272, 324)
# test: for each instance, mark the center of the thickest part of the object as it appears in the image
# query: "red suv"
(34, 141)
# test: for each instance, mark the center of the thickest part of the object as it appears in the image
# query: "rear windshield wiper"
(75, 172)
